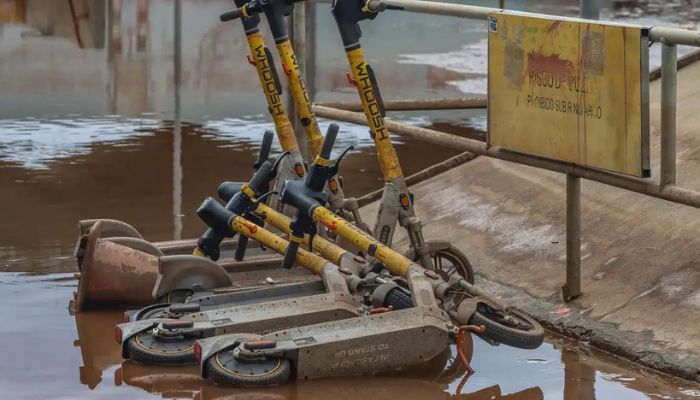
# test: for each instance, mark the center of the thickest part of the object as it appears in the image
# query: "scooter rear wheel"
(512, 327)
(224, 368)
(146, 348)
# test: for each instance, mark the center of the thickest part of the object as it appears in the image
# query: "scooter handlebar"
(329, 141)
(265, 148)
(290, 255)
(231, 15)
(227, 190)
(215, 215)
(262, 176)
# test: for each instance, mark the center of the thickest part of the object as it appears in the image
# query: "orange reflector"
(251, 226)
(405, 201)
(333, 185)
(330, 225)
(299, 169)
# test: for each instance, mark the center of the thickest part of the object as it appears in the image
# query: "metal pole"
(177, 126)
(296, 26)
(111, 63)
(656, 34)
(572, 288)
(310, 38)
(501, 4)
(669, 85)
(415, 104)
(590, 9)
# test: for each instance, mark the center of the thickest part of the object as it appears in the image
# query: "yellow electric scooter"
(397, 202)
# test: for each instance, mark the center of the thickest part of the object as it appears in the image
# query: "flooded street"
(77, 358)
(94, 123)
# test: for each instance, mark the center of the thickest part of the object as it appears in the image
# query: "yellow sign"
(570, 90)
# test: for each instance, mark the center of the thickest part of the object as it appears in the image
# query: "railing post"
(669, 86)
(590, 9)
(177, 126)
(572, 288)
(501, 4)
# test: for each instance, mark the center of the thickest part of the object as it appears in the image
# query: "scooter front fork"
(414, 228)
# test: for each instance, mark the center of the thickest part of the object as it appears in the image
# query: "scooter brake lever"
(336, 165)
(279, 159)
(264, 197)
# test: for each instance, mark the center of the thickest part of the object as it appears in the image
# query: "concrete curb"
(638, 347)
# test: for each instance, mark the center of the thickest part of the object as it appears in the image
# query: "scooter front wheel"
(224, 368)
(447, 261)
(511, 327)
(146, 348)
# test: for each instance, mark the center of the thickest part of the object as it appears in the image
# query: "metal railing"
(666, 187)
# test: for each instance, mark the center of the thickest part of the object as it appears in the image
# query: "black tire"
(397, 299)
(145, 348)
(460, 261)
(222, 368)
(528, 334)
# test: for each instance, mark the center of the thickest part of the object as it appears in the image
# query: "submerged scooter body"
(169, 341)
(369, 344)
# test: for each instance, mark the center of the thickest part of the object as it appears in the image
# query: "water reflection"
(177, 131)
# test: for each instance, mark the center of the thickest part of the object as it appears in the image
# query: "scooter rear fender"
(129, 329)
(210, 346)
(188, 272)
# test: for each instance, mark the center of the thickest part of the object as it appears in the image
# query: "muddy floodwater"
(97, 122)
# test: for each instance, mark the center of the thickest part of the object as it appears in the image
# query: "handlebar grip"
(290, 255)
(227, 190)
(329, 141)
(261, 177)
(231, 15)
(265, 148)
(215, 215)
(376, 6)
